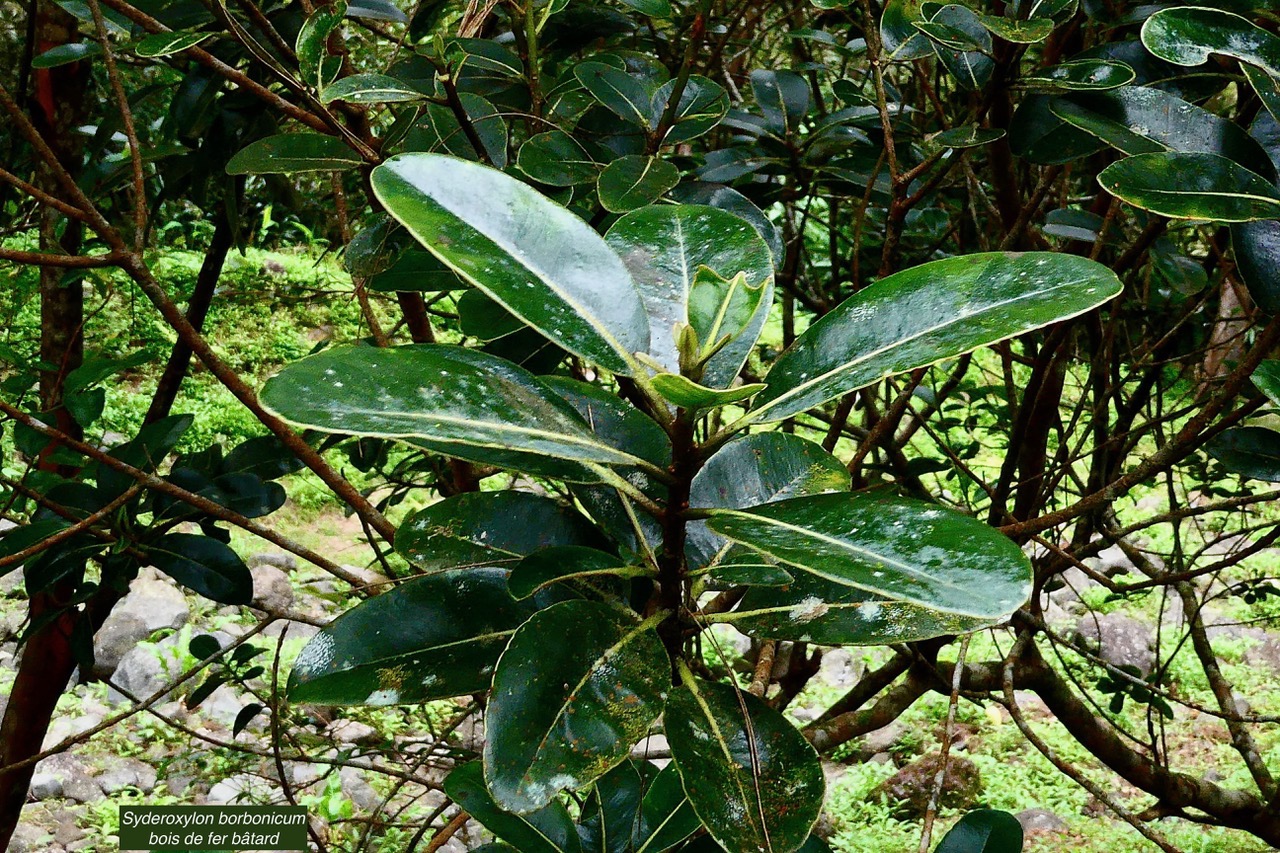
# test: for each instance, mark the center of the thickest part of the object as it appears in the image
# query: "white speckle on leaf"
(379, 698)
(808, 609)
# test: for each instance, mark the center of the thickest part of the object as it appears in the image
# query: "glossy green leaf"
(1072, 224)
(416, 270)
(983, 831)
(652, 8)
(684, 393)
(1192, 186)
(666, 816)
(204, 565)
(369, 89)
(567, 563)
(376, 10)
(432, 637)
(562, 714)
(628, 96)
(732, 201)
(537, 259)
(811, 609)
(1266, 378)
(1141, 120)
(146, 451)
(971, 68)
(556, 159)
(608, 820)
(664, 247)
(634, 181)
(783, 96)
(455, 399)
(481, 317)
(926, 314)
(315, 66)
(722, 307)
(1037, 135)
(549, 830)
(1250, 451)
(488, 528)
(440, 131)
(953, 37)
(167, 44)
(293, 152)
(752, 778)
(902, 41)
(703, 104)
(1018, 32)
(894, 547)
(65, 54)
(1083, 75)
(969, 136)
(1189, 35)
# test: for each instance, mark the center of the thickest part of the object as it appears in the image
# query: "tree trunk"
(48, 659)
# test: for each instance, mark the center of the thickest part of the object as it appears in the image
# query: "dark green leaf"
(537, 259)
(1019, 32)
(167, 44)
(484, 528)
(926, 314)
(702, 105)
(567, 563)
(204, 565)
(751, 776)
(970, 136)
(556, 159)
(902, 41)
(1192, 186)
(562, 714)
(664, 247)
(245, 717)
(204, 646)
(686, 394)
(1266, 378)
(666, 816)
(783, 96)
(454, 398)
(1083, 75)
(756, 469)
(634, 181)
(376, 10)
(630, 97)
(293, 152)
(1190, 35)
(433, 637)
(983, 831)
(902, 549)
(316, 67)
(549, 830)
(1250, 451)
(65, 54)
(369, 89)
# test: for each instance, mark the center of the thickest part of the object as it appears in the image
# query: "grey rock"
(1264, 652)
(157, 603)
(358, 789)
(73, 776)
(91, 714)
(45, 786)
(127, 772)
(149, 666)
(1119, 640)
(13, 584)
(272, 590)
(882, 739)
(223, 705)
(1069, 585)
(1111, 561)
(369, 579)
(277, 559)
(352, 731)
(243, 788)
(30, 838)
(838, 668)
(120, 633)
(68, 831)
(297, 630)
(1040, 820)
(909, 790)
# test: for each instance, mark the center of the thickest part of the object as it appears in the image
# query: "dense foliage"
(832, 323)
